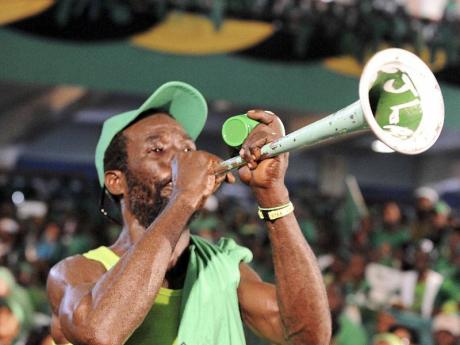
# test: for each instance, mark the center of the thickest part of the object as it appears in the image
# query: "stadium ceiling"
(301, 59)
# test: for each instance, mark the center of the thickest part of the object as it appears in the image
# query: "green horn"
(400, 102)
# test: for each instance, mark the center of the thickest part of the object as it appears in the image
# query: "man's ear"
(115, 182)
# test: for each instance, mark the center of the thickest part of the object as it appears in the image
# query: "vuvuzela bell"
(400, 101)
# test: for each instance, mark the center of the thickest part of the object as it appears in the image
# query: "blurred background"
(384, 226)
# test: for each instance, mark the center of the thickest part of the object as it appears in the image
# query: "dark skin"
(89, 303)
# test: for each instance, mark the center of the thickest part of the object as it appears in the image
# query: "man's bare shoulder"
(72, 271)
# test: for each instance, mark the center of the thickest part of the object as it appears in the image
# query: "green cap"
(186, 104)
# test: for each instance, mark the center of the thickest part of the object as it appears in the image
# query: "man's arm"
(300, 297)
(259, 306)
(101, 307)
(107, 309)
(295, 311)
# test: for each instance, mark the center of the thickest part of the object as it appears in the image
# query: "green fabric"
(39, 299)
(394, 238)
(451, 288)
(350, 333)
(418, 297)
(18, 301)
(419, 324)
(388, 338)
(209, 311)
(162, 322)
(182, 101)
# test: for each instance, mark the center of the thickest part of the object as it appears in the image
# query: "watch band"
(275, 212)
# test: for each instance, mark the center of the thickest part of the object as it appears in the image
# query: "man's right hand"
(193, 176)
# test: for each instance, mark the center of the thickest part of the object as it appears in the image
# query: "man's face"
(357, 266)
(151, 145)
(391, 213)
(422, 261)
(424, 204)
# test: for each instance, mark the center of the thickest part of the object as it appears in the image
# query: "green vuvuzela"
(396, 103)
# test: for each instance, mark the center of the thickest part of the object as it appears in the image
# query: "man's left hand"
(264, 176)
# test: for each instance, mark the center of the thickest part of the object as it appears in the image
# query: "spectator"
(392, 230)
(15, 309)
(9, 230)
(67, 231)
(407, 334)
(75, 238)
(448, 264)
(384, 322)
(48, 248)
(440, 223)
(426, 198)
(345, 330)
(446, 329)
(387, 339)
(421, 285)
(9, 324)
(353, 279)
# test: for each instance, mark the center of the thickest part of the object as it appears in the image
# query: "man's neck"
(177, 271)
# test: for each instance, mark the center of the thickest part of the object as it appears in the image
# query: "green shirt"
(394, 238)
(349, 333)
(206, 310)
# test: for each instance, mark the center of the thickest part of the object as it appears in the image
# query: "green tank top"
(165, 311)
(209, 308)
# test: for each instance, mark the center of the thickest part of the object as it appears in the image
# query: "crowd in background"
(392, 274)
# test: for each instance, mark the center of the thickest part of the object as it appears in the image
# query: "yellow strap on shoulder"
(103, 255)
(53, 343)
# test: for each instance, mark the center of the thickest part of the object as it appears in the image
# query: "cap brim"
(183, 102)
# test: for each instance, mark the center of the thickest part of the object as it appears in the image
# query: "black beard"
(142, 201)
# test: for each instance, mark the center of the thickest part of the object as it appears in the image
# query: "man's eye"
(188, 149)
(157, 149)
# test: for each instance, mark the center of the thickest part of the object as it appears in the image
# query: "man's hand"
(266, 176)
(193, 176)
(297, 311)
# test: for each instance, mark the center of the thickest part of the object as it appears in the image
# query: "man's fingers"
(268, 118)
(251, 152)
(245, 174)
(247, 156)
(263, 116)
(255, 152)
(230, 178)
